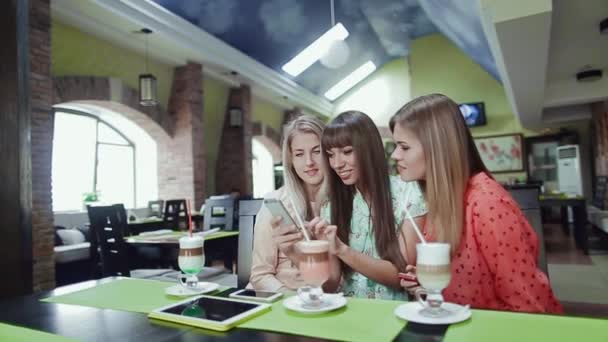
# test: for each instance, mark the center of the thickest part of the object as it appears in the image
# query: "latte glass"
(191, 260)
(314, 269)
(433, 272)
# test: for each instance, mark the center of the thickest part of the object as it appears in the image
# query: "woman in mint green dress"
(366, 211)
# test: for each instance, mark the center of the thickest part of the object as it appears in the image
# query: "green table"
(361, 320)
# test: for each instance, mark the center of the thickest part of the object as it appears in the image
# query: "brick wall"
(181, 169)
(233, 168)
(43, 277)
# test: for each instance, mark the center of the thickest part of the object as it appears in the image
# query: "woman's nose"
(395, 154)
(339, 161)
(309, 160)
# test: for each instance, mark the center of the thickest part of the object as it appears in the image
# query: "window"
(89, 155)
(262, 169)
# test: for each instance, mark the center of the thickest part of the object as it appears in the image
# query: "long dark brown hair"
(356, 129)
(451, 160)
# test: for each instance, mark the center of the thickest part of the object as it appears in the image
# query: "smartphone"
(407, 277)
(258, 296)
(277, 208)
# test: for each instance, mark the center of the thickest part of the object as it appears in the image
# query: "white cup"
(191, 260)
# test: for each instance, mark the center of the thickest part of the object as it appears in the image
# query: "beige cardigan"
(272, 270)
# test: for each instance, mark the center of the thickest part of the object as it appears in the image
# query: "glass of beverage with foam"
(433, 272)
(314, 269)
(191, 260)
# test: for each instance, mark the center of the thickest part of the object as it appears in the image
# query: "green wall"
(75, 53)
(438, 66)
(381, 94)
(266, 112)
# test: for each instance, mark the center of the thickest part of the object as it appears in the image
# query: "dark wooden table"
(92, 324)
(151, 224)
(579, 213)
(223, 247)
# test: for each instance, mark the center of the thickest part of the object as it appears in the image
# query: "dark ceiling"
(274, 31)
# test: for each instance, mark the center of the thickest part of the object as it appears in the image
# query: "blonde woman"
(494, 247)
(274, 264)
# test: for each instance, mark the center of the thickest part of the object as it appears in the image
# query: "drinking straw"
(409, 216)
(299, 219)
(189, 217)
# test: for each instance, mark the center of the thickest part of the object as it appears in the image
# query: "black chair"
(108, 248)
(219, 213)
(176, 214)
(248, 210)
(155, 208)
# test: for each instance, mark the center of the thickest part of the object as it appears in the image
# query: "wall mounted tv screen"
(474, 113)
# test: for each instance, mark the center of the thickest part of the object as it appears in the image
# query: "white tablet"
(257, 296)
(209, 312)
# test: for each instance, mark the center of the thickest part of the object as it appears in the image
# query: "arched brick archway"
(269, 137)
(178, 131)
(112, 93)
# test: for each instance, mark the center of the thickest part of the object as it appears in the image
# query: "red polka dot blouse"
(495, 266)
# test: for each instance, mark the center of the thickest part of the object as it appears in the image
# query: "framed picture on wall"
(502, 153)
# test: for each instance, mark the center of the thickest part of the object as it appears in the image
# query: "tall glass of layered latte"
(191, 260)
(314, 269)
(433, 272)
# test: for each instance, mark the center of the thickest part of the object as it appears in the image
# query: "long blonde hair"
(451, 160)
(293, 183)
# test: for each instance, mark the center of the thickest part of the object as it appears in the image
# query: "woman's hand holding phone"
(285, 236)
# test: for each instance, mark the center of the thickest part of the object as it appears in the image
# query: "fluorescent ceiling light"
(349, 81)
(314, 51)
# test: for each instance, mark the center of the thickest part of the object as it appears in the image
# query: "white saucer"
(411, 312)
(181, 291)
(331, 302)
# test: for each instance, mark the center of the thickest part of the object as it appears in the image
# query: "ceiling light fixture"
(349, 81)
(147, 81)
(337, 53)
(315, 51)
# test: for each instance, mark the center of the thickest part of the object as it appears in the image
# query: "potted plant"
(89, 198)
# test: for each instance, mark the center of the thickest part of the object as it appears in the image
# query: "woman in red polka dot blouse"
(494, 248)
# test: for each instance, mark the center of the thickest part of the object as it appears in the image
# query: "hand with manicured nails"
(328, 232)
(409, 281)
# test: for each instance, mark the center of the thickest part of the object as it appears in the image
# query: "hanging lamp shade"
(147, 90)
(147, 81)
(336, 55)
(337, 52)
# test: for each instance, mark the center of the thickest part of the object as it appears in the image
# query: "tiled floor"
(579, 281)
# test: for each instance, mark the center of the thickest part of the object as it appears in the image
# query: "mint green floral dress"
(362, 237)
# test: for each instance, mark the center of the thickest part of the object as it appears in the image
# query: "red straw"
(189, 217)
